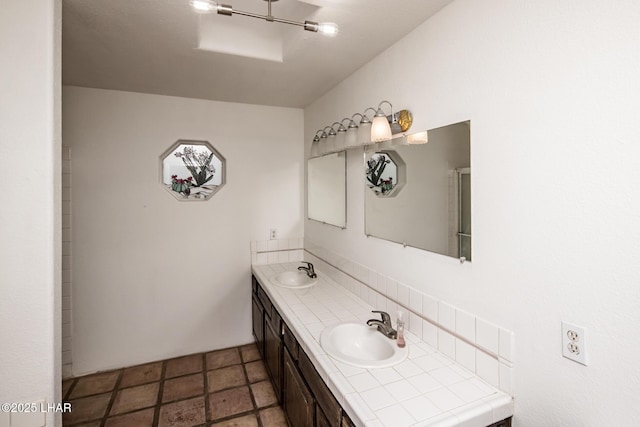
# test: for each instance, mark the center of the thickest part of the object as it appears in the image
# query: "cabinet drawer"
(291, 343)
(264, 299)
(321, 392)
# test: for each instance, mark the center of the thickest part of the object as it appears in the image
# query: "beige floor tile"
(142, 374)
(273, 417)
(263, 394)
(256, 371)
(220, 379)
(131, 399)
(221, 358)
(138, 419)
(185, 413)
(87, 409)
(94, 384)
(183, 387)
(246, 421)
(184, 365)
(230, 402)
(249, 353)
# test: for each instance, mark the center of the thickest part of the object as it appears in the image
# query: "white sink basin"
(293, 279)
(361, 345)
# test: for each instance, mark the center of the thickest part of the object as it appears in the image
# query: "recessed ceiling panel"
(252, 38)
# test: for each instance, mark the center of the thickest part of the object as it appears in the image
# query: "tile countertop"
(427, 389)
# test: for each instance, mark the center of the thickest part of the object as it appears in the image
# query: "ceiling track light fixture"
(382, 129)
(210, 6)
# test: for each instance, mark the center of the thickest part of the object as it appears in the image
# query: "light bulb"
(380, 129)
(418, 138)
(328, 28)
(203, 6)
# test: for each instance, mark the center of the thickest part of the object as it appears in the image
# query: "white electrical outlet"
(273, 233)
(574, 342)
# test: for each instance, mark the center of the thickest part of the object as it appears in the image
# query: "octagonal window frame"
(166, 177)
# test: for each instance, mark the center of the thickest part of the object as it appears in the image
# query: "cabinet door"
(257, 313)
(298, 401)
(321, 420)
(273, 356)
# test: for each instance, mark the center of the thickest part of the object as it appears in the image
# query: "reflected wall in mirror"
(433, 210)
(327, 189)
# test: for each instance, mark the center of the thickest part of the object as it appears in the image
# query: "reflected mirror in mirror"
(326, 189)
(433, 209)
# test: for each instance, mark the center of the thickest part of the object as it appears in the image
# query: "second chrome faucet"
(384, 325)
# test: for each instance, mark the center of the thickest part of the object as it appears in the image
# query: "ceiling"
(152, 46)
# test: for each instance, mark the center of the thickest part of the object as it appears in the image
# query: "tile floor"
(222, 388)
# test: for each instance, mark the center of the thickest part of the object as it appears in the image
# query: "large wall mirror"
(327, 190)
(432, 210)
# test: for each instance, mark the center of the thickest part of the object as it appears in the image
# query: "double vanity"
(329, 368)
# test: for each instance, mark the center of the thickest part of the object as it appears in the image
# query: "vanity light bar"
(377, 129)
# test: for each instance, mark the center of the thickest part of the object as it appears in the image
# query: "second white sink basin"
(293, 279)
(361, 345)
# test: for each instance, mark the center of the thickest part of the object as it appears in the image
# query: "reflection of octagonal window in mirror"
(385, 173)
(192, 170)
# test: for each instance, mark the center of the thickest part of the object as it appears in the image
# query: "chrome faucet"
(309, 269)
(384, 325)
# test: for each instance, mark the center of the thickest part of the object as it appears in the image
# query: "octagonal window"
(192, 170)
(385, 173)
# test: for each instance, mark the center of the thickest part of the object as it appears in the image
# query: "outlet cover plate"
(574, 342)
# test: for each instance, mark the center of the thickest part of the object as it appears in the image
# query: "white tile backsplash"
(466, 325)
(447, 316)
(430, 308)
(506, 345)
(487, 335)
(415, 301)
(506, 378)
(430, 333)
(447, 344)
(466, 355)
(487, 369)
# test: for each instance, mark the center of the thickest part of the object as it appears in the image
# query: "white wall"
(552, 92)
(30, 209)
(154, 277)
